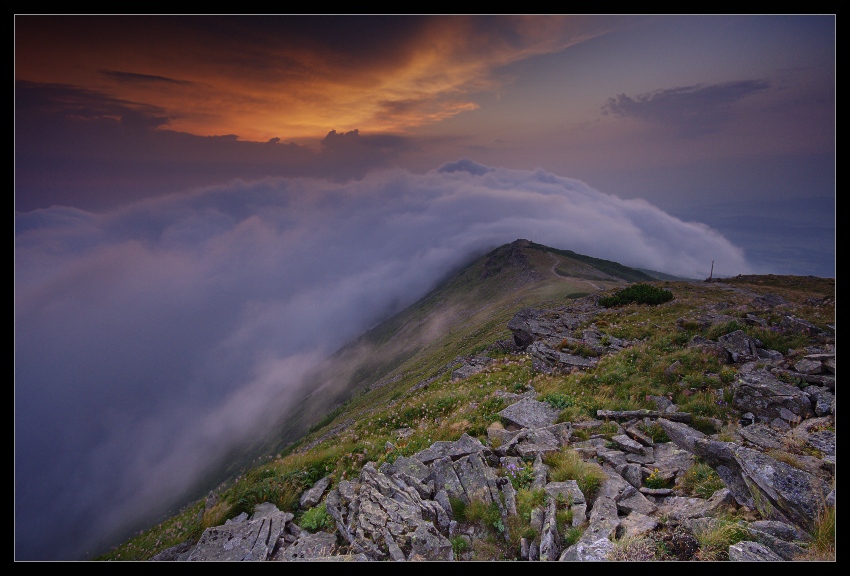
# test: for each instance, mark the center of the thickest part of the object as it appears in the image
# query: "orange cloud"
(259, 80)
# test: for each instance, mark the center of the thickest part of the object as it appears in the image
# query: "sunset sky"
(190, 190)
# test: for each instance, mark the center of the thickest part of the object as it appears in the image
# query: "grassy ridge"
(360, 421)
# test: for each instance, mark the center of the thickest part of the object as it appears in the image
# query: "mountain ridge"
(461, 319)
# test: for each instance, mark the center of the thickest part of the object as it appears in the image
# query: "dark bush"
(638, 293)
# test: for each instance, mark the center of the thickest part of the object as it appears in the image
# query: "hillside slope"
(443, 370)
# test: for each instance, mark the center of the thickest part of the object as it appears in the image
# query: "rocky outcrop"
(243, 540)
(779, 468)
(762, 394)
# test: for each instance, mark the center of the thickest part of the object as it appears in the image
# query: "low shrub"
(317, 518)
(639, 294)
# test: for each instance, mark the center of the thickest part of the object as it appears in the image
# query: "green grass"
(701, 480)
(568, 465)
(714, 542)
(822, 545)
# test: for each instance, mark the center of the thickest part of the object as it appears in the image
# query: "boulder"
(314, 495)
(528, 413)
(760, 392)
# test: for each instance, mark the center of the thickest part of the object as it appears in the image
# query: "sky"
(207, 206)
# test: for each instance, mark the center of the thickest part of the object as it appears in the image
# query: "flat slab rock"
(463, 446)
(529, 413)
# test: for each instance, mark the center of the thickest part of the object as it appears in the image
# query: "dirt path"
(555, 265)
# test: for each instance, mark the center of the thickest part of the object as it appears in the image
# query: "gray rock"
(538, 516)
(630, 414)
(807, 366)
(783, 548)
(572, 361)
(631, 473)
(428, 544)
(595, 544)
(771, 355)
(569, 555)
(647, 458)
(762, 436)
(604, 518)
(626, 444)
(752, 552)
(741, 347)
(829, 364)
(410, 466)
(465, 371)
(550, 547)
(636, 524)
(541, 473)
(782, 530)
(613, 485)
(823, 441)
(525, 327)
(314, 495)
(799, 325)
(781, 491)
(529, 413)
(614, 458)
(241, 517)
(761, 393)
(680, 508)
(561, 431)
(477, 479)
(635, 434)
(682, 435)
(635, 502)
(250, 540)
(396, 553)
(498, 436)
(377, 513)
(463, 446)
(538, 441)
(177, 553)
(569, 493)
(445, 479)
(308, 547)
(670, 459)
(655, 492)
(821, 398)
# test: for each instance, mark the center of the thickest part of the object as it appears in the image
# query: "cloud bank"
(693, 110)
(152, 339)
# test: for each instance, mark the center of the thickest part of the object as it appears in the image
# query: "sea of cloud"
(151, 339)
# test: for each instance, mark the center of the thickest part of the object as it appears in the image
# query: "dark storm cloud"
(692, 110)
(80, 147)
(152, 339)
(135, 78)
(34, 99)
